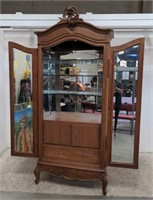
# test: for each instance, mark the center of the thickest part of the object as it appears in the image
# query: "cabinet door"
(125, 101)
(23, 100)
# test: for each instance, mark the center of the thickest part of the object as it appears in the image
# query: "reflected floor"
(123, 144)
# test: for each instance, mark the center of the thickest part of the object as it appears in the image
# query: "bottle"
(26, 73)
(29, 75)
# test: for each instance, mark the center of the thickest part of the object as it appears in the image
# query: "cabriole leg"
(103, 177)
(37, 174)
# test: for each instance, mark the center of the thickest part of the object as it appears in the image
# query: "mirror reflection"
(23, 122)
(124, 106)
(72, 82)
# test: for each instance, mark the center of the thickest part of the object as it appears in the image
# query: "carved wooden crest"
(71, 15)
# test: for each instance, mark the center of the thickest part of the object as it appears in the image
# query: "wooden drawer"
(71, 155)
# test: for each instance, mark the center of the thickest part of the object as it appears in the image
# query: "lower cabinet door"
(86, 135)
(57, 133)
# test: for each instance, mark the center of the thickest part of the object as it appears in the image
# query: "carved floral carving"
(71, 15)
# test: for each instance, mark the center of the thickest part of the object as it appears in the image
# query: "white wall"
(26, 37)
(146, 128)
(4, 101)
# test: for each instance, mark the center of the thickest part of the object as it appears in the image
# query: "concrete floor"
(17, 182)
(37, 196)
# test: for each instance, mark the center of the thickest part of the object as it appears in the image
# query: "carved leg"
(37, 174)
(103, 177)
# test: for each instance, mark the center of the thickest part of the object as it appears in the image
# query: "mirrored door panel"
(23, 100)
(126, 96)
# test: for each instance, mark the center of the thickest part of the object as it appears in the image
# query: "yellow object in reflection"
(27, 74)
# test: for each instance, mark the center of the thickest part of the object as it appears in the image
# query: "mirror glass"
(124, 104)
(23, 115)
(72, 81)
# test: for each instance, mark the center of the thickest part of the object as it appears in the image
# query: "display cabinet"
(72, 79)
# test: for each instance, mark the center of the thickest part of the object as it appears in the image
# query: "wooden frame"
(139, 42)
(33, 52)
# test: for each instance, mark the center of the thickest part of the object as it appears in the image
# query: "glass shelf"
(72, 92)
(125, 69)
(82, 75)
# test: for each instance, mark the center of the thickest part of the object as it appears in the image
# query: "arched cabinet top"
(81, 31)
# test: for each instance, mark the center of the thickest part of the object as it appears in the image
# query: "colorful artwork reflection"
(23, 130)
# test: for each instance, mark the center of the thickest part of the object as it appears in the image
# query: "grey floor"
(17, 182)
(35, 196)
(123, 143)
